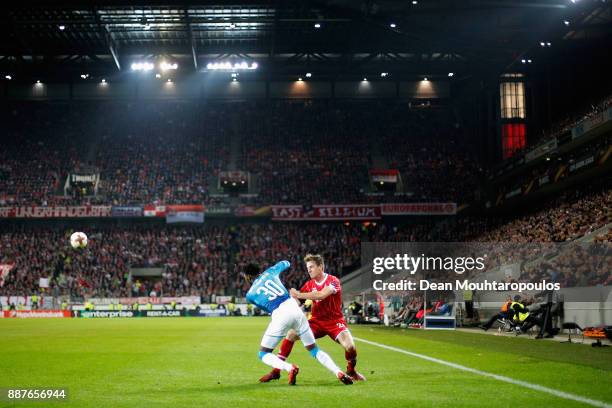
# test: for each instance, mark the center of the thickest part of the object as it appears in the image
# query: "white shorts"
(287, 316)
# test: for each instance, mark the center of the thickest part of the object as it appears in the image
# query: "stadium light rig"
(84, 76)
(142, 66)
(451, 74)
(8, 77)
(308, 75)
(392, 25)
(384, 74)
(165, 66)
(228, 66)
(61, 27)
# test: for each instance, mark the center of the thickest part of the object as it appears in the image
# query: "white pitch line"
(552, 391)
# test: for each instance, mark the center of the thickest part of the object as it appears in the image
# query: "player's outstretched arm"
(279, 267)
(317, 295)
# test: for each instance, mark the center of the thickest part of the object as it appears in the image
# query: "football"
(78, 240)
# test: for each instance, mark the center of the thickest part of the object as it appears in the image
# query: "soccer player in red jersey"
(327, 319)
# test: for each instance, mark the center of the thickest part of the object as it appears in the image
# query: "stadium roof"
(338, 38)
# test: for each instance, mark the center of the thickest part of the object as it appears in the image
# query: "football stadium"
(367, 203)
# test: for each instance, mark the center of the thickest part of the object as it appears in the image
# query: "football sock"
(351, 359)
(324, 358)
(285, 349)
(273, 361)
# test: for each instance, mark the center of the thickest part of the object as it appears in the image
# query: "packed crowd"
(205, 260)
(158, 152)
(565, 125)
(162, 153)
(568, 217)
(34, 164)
(306, 152)
(318, 151)
(430, 150)
(571, 215)
(559, 166)
(299, 152)
(201, 260)
(577, 265)
(312, 152)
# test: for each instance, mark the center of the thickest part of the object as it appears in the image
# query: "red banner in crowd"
(89, 211)
(384, 172)
(56, 212)
(185, 208)
(419, 209)
(279, 212)
(7, 212)
(37, 313)
(359, 211)
(326, 212)
(287, 212)
(151, 210)
(346, 212)
(384, 175)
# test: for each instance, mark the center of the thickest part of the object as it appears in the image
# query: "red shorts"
(331, 328)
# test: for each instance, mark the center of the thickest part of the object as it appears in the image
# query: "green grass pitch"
(212, 362)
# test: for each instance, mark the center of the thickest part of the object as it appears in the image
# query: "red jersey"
(329, 308)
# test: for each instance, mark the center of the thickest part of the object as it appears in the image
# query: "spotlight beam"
(113, 52)
(108, 38)
(193, 51)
